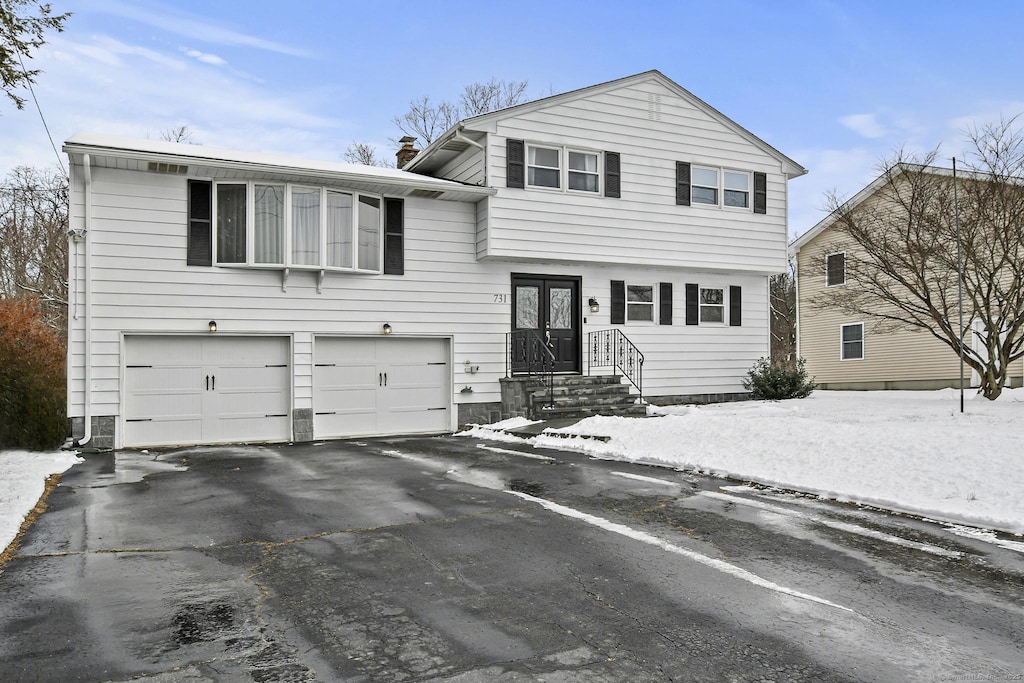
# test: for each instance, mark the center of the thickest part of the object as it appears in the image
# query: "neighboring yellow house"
(844, 351)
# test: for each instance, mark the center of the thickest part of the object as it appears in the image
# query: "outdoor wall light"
(387, 328)
(213, 325)
(594, 306)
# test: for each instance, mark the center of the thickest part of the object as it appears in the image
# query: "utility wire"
(28, 82)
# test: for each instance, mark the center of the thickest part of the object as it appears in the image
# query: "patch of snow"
(22, 481)
(533, 456)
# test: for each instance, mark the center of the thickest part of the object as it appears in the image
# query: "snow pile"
(22, 480)
(905, 451)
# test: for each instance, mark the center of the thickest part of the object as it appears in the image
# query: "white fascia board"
(178, 153)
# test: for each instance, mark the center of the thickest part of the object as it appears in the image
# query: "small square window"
(852, 342)
(640, 302)
(835, 269)
(712, 305)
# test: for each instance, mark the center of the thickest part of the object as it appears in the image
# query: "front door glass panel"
(527, 307)
(560, 311)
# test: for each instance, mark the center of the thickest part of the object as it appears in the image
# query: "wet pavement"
(450, 559)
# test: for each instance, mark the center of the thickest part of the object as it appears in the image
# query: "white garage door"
(200, 390)
(376, 386)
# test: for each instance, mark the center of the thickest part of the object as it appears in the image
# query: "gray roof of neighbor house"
(105, 149)
(453, 141)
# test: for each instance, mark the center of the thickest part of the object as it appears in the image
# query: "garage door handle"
(382, 379)
(207, 382)
(213, 382)
(385, 379)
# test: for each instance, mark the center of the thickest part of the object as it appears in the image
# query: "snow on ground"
(902, 450)
(22, 480)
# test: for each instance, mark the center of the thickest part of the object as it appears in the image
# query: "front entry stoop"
(579, 396)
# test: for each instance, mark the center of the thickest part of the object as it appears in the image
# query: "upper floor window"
(558, 167)
(296, 226)
(721, 187)
(835, 269)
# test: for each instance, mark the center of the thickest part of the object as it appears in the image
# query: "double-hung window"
(297, 226)
(563, 167)
(720, 187)
(712, 305)
(640, 303)
(852, 342)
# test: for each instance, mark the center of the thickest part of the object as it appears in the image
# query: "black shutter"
(612, 175)
(515, 163)
(760, 193)
(665, 303)
(200, 223)
(692, 305)
(618, 302)
(394, 237)
(735, 306)
(682, 183)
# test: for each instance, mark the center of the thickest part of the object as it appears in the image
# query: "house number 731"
(501, 298)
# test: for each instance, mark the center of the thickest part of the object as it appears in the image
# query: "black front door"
(550, 306)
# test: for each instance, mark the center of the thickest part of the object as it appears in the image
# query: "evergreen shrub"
(776, 381)
(33, 415)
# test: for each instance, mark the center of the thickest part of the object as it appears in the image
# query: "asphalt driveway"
(445, 559)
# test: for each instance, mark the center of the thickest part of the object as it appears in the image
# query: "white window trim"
(250, 227)
(838, 284)
(863, 344)
(653, 304)
(720, 171)
(563, 169)
(724, 306)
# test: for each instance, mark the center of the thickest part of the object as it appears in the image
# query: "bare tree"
(902, 271)
(182, 133)
(782, 297)
(364, 153)
(22, 26)
(34, 240)
(426, 120)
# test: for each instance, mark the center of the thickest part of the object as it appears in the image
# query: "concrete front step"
(577, 380)
(578, 396)
(582, 390)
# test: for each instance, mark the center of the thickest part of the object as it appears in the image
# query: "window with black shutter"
(618, 296)
(200, 223)
(612, 175)
(665, 303)
(515, 163)
(760, 193)
(682, 183)
(735, 306)
(692, 304)
(394, 236)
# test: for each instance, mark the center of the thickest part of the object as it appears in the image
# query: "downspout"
(87, 223)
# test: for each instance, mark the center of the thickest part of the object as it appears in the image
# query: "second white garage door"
(378, 386)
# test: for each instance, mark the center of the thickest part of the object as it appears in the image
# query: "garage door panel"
(352, 397)
(238, 391)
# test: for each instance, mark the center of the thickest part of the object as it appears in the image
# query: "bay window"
(296, 226)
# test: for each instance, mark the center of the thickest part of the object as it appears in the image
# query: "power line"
(28, 82)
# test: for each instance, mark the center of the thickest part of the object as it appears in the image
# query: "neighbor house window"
(712, 305)
(835, 269)
(297, 226)
(543, 167)
(562, 167)
(640, 302)
(852, 342)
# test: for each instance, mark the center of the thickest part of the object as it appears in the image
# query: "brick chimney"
(407, 152)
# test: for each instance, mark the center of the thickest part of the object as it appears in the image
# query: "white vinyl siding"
(584, 227)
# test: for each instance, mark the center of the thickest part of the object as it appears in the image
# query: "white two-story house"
(224, 296)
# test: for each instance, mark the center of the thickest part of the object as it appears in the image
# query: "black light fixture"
(213, 325)
(594, 306)
(387, 328)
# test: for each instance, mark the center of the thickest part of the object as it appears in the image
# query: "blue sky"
(837, 86)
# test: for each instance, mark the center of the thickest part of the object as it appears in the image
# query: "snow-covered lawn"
(905, 451)
(22, 480)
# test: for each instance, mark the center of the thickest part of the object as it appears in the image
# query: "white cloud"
(865, 125)
(204, 57)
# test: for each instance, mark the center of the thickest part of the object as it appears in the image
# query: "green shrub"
(32, 380)
(775, 381)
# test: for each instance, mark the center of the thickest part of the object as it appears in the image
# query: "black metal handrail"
(527, 353)
(611, 348)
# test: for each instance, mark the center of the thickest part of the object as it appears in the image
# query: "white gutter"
(87, 434)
